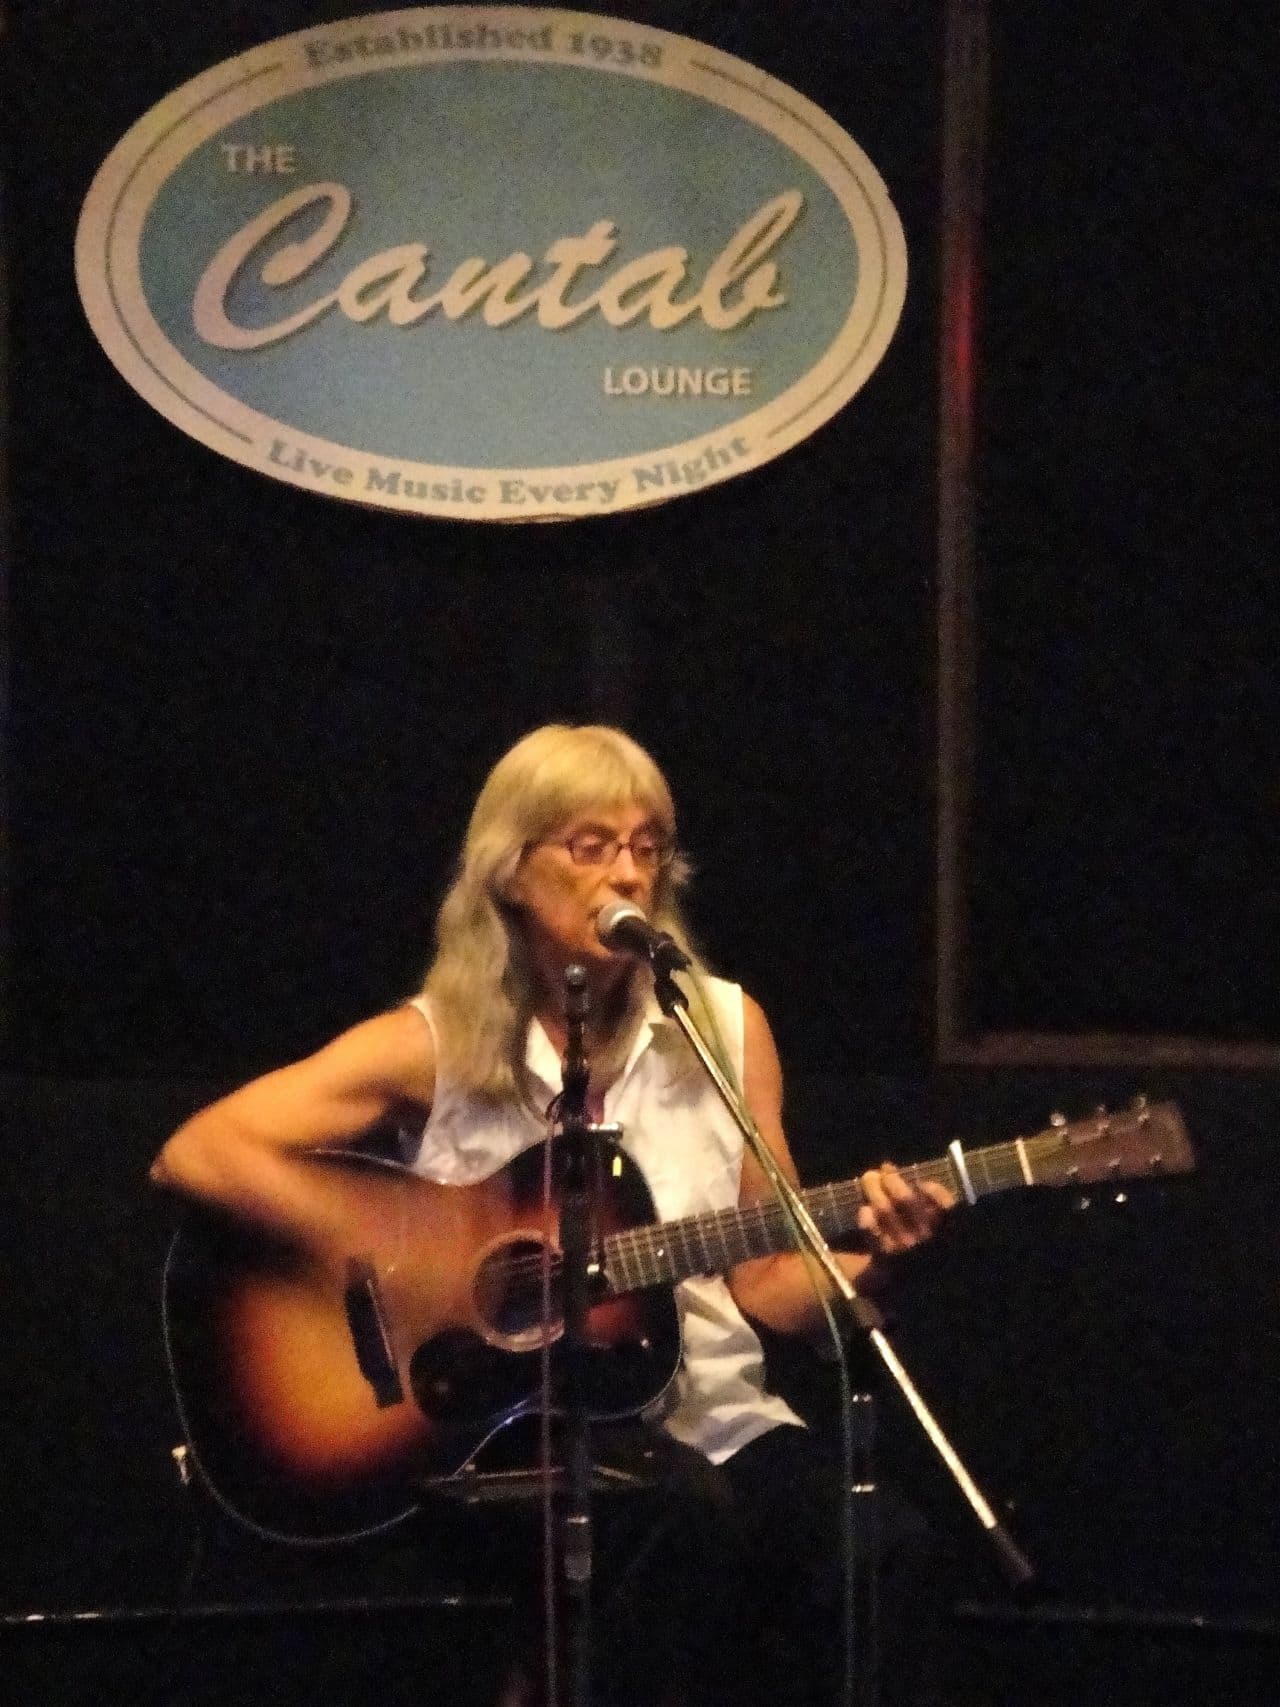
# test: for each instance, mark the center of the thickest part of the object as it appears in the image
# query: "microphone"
(622, 926)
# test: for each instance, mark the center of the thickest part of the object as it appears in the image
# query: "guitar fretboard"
(711, 1243)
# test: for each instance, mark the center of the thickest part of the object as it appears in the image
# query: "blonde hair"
(480, 984)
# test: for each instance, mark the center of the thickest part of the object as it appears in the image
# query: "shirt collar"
(542, 1061)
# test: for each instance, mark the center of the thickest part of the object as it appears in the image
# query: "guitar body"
(445, 1314)
(318, 1394)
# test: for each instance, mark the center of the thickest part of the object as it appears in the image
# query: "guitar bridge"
(369, 1334)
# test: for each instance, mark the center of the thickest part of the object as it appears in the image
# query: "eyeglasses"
(650, 849)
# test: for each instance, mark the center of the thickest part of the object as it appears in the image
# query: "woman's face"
(562, 882)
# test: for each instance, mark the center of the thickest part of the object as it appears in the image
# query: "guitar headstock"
(1144, 1141)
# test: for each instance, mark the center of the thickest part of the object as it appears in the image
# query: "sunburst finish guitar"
(316, 1396)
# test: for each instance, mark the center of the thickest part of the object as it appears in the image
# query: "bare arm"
(245, 1153)
(777, 1290)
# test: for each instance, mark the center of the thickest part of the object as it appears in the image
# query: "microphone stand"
(576, 1538)
(673, 1001)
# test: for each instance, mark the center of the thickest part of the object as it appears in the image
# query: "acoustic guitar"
(319, 1398)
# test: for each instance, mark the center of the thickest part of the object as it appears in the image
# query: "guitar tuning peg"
(1121, 1197)
(1100, 1110)
(1140, 1108)
(1057, 1118)
(1083, 1203)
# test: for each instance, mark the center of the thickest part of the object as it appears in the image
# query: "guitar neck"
(713, 1242)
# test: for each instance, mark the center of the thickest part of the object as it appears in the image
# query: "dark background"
(246, 725)
(1127, 770)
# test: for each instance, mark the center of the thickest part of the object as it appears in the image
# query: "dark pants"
(725, 1586)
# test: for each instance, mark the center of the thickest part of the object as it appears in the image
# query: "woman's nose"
(624, 871)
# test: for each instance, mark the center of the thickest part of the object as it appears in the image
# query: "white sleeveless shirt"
(690, 1153)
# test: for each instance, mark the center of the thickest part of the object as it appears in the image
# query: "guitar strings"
(642, 1246)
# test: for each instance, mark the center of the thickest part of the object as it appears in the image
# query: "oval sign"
(491, 263)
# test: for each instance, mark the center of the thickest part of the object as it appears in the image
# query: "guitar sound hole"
(508, 1293)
